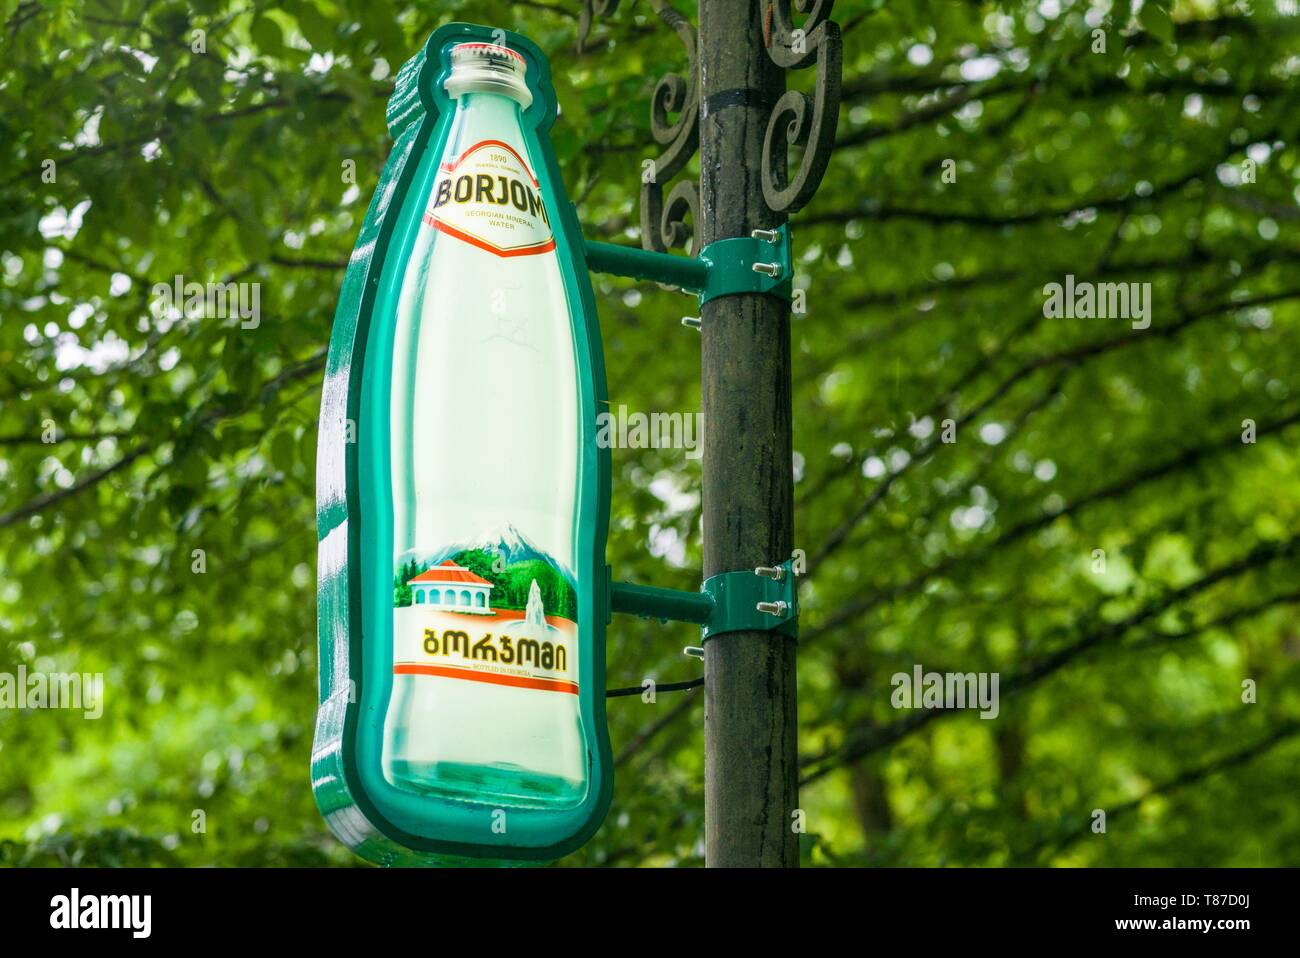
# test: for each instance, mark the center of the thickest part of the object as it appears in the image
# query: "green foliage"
(401, 582)
(156, 511)
(512, 586)
(479, 561)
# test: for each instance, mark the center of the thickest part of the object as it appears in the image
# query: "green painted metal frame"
(727, 602)
(723, 268)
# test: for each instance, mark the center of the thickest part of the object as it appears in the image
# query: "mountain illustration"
(523, 577)
(505, 541)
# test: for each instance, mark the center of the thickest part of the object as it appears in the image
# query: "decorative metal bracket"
(798, 120)
(664, 219)
(764, 600)
(761, 263)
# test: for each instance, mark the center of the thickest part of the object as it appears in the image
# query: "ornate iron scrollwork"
(798, 119)
(667, 221)
(590, 10)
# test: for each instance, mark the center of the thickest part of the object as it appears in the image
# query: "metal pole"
(750, 771)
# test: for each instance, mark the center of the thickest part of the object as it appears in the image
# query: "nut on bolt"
(778, 607)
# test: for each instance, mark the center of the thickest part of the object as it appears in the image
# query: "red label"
(488, 197)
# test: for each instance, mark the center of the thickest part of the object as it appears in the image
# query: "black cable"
(665, 687)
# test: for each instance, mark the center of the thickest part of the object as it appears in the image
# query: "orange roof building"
(453, 588)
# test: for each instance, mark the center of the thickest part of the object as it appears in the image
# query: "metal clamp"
(764, 600)
(759, 263)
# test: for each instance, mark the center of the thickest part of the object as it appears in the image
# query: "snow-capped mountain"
(506, 541)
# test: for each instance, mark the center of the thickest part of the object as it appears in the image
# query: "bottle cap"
(488, 68)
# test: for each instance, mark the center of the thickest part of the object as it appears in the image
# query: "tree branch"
(870, 738)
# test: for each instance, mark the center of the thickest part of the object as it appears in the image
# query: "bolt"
(770, 269)
(773, 608)
(768, 236)
(770, 572)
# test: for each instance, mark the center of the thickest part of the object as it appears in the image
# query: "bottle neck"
(487, 113)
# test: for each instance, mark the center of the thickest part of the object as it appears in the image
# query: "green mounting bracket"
(761, 263)
(749, 602)
(762, 600)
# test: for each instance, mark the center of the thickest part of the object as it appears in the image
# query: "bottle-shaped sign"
(480, 727)
(485, 457)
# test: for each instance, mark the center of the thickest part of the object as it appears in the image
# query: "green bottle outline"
(380, 823)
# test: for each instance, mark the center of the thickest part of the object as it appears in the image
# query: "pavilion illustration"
(452, 587)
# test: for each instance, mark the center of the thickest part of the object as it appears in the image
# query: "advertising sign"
(462, 495)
